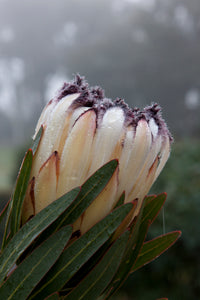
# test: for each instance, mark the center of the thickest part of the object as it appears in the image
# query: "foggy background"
(141, 50)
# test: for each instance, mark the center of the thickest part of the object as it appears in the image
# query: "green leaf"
(137, 237)
(25, 277)
(14, 208)
(154, 248)
(121, 200)
(37, 140)
(97, 280)
(15, 205)
(54, 296)
(31, 230)
(127, 262)
(135, 227)
(148, 212)
(87, 267)
(89, 191)
(79, 252)
(149, 198)
(19, 193)
(153, 205)
(4, 211)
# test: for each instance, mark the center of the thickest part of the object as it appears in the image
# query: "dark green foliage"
(25, 277)
(157, 245)
(79, 252)
(98, 279)
(175, 274)
(16, 202)
(23, 238)
(91, 264)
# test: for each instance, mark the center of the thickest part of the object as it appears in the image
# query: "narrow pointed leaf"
(14, 210)
(149, 198)
(153, 206)
(20, 191)
(31, 230)
(148, 213)
(22, 281)
(135, 232)
(121, 200)
(89, 191)
(79, 252)
(154, 248)
(123, 226)
(37, 139)
(127, 265)
(3, 212)
(54, 296)
(149, 210)
(97, 280)
(6, 236)
(87, 267)
(131, 253)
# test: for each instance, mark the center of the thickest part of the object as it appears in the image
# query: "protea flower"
(83, 130)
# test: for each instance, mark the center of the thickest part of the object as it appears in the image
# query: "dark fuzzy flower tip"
(94, 97)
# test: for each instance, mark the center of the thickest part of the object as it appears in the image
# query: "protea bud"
(84, 130)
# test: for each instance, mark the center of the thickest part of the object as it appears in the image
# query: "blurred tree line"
(143, 51)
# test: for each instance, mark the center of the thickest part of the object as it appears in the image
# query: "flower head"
(83, 130)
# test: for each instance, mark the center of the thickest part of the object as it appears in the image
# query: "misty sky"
(143, 51)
